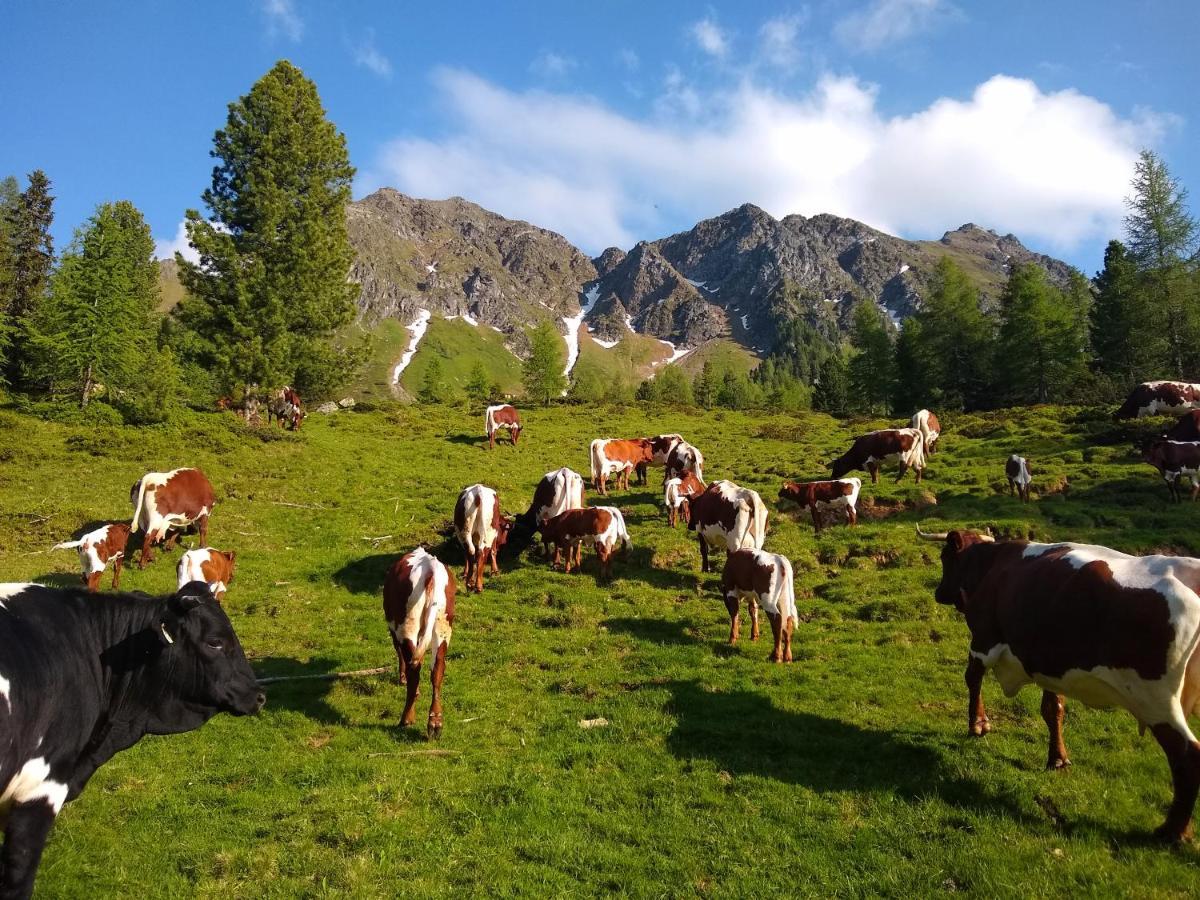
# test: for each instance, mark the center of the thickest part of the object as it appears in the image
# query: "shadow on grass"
(69, 579)
(655, 631)
(306, 695)
(365, 575)
(469, 440)
(743, 733)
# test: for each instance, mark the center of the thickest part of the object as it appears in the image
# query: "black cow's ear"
(189, 597)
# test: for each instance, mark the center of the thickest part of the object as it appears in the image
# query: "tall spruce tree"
(10, 197)
(271, 286)
(1123, 338)
(872, 368)
(955, 337)
(1041, 342)
(97, 326)
(831, 393)
(1162, 237)
(542, 372)
(31, 257)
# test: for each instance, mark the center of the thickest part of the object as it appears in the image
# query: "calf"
(481, 530)
(557, 492)
(818, 496)
(601, 526)
(1152, 398)
(1020, 476)
(684, 458)
(929, 426)
(96, 548)
(284, 405)
(418, 603)
(765, 579)
(85, 676)
(1174, 460)
(729, 517)
(502, 416)
(678, 494)
(164, 503)
(1186, 429)
(1087, 622)
(906, 445)
(214, 567)
(609, 456)
(660, 449)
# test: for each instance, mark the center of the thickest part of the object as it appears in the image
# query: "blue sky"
(618, 121)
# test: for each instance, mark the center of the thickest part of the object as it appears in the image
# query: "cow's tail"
(786, 603)
(490, 422)
(471, 513)
(760, 521)
(429, 613)
(137, 507)
(67, 545)
(626, 543)
(595, 461)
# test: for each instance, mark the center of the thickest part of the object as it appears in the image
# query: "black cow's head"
(960, 574)
(840, 466)
(202, 661)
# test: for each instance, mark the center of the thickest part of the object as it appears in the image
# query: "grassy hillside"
(845, 773)
(724, 354)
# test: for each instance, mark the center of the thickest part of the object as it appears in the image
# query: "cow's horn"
(930, 536)
(989, 538)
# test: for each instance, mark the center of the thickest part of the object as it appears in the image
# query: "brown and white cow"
(1152, 398)
(678, 494)
(285, 406)
(869, 452)
(765, 579)
(660, 449)
(819, 496)
(481, 530)
(603, 527)
(418, 603)
(727, 517)
(165, 503)
(610, 456)
(1020, 476)
(214, 567)
(1085, 622)
(502, 416)
(1174, 460)
(557, 492)
(684, 458)
(96, 549)
(929, 426)
(1186, 429)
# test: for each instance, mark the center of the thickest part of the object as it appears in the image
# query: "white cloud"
(367, 55)
(282, 18)
(1051, 167)
(778, 38)
(710, 38)
(629, 59)
(548, 64)
(884, 22)
(165, 248)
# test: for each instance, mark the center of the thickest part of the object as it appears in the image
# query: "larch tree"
(872, 368)
(956, 339)
(1041, 342)
(271, 287)
(542, 372)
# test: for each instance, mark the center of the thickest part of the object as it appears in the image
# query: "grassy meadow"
(846, 773)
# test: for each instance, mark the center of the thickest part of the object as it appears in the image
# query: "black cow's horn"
(929, 536)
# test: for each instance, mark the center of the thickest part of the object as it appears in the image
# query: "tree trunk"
(87, 388)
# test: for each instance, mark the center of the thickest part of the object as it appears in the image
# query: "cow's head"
(231, 555)
(959, 576)
(202, 669)
(502, 531)
(298, 417)
(1154, 453)
(840, 466)
(789, 492)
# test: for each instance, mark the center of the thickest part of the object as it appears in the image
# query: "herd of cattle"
(85, 675)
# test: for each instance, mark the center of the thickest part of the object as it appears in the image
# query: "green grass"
(725, 355)
(719, 774)
(459, 346)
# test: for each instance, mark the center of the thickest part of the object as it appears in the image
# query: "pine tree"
(271, 287)
(433, 384)
(910, 387)
(479, 385)
(831, 393)
(672, 387)
(1123, 344)
(706, 385)
(1041, 342)
(10, 197)
(542, 373)
(31, 257)
(1162, 238)
(955, 339)
(96, 329)
(872, 367)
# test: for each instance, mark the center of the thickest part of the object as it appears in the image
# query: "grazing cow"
(481, 530)
(1186, 429)
(96, 548)
(819, 496)
(418, 603)
(1174, 460)
(1086, 622)
(929, 426)
(660, 448)
(765, 579)
(727, 517)
(502, 416)
(678, 494)
(1019, 476)
(601, 526)
(610, 456)
(557, 492)
(1152, 398)
(214, 567)
(284, 405)
(871, 450)
(85, 676)
(684, 458)
(165, 503)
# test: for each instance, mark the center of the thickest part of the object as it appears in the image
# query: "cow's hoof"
(1170, 834)
(1057, 764)
(980, 727)
(434, 730)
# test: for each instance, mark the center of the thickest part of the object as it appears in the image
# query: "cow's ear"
(956, 540)
(232, 557)
(189, 597)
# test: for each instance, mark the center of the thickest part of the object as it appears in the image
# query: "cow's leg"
(117, 563)
(605, 554)
(492, 556)
(570, 558)
(788, 626)
(873, 468)
(851, 516)
(977, 720)
(816, 518)
(753, 619)
(903, 470)
(703, 553)
(1183, 756)
(641, 473)
(438, 669)
(172, 539)
(412, 682)
(732, 604)
(920, 474)
(147, 550)
(1052, 714)
(1012, 488)
(400, 674)
(202, 527)
(25, 836)
(777, 631)
(513, 434)
(92, 580)
(480, 564)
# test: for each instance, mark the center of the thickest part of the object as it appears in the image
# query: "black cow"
(85, 676)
